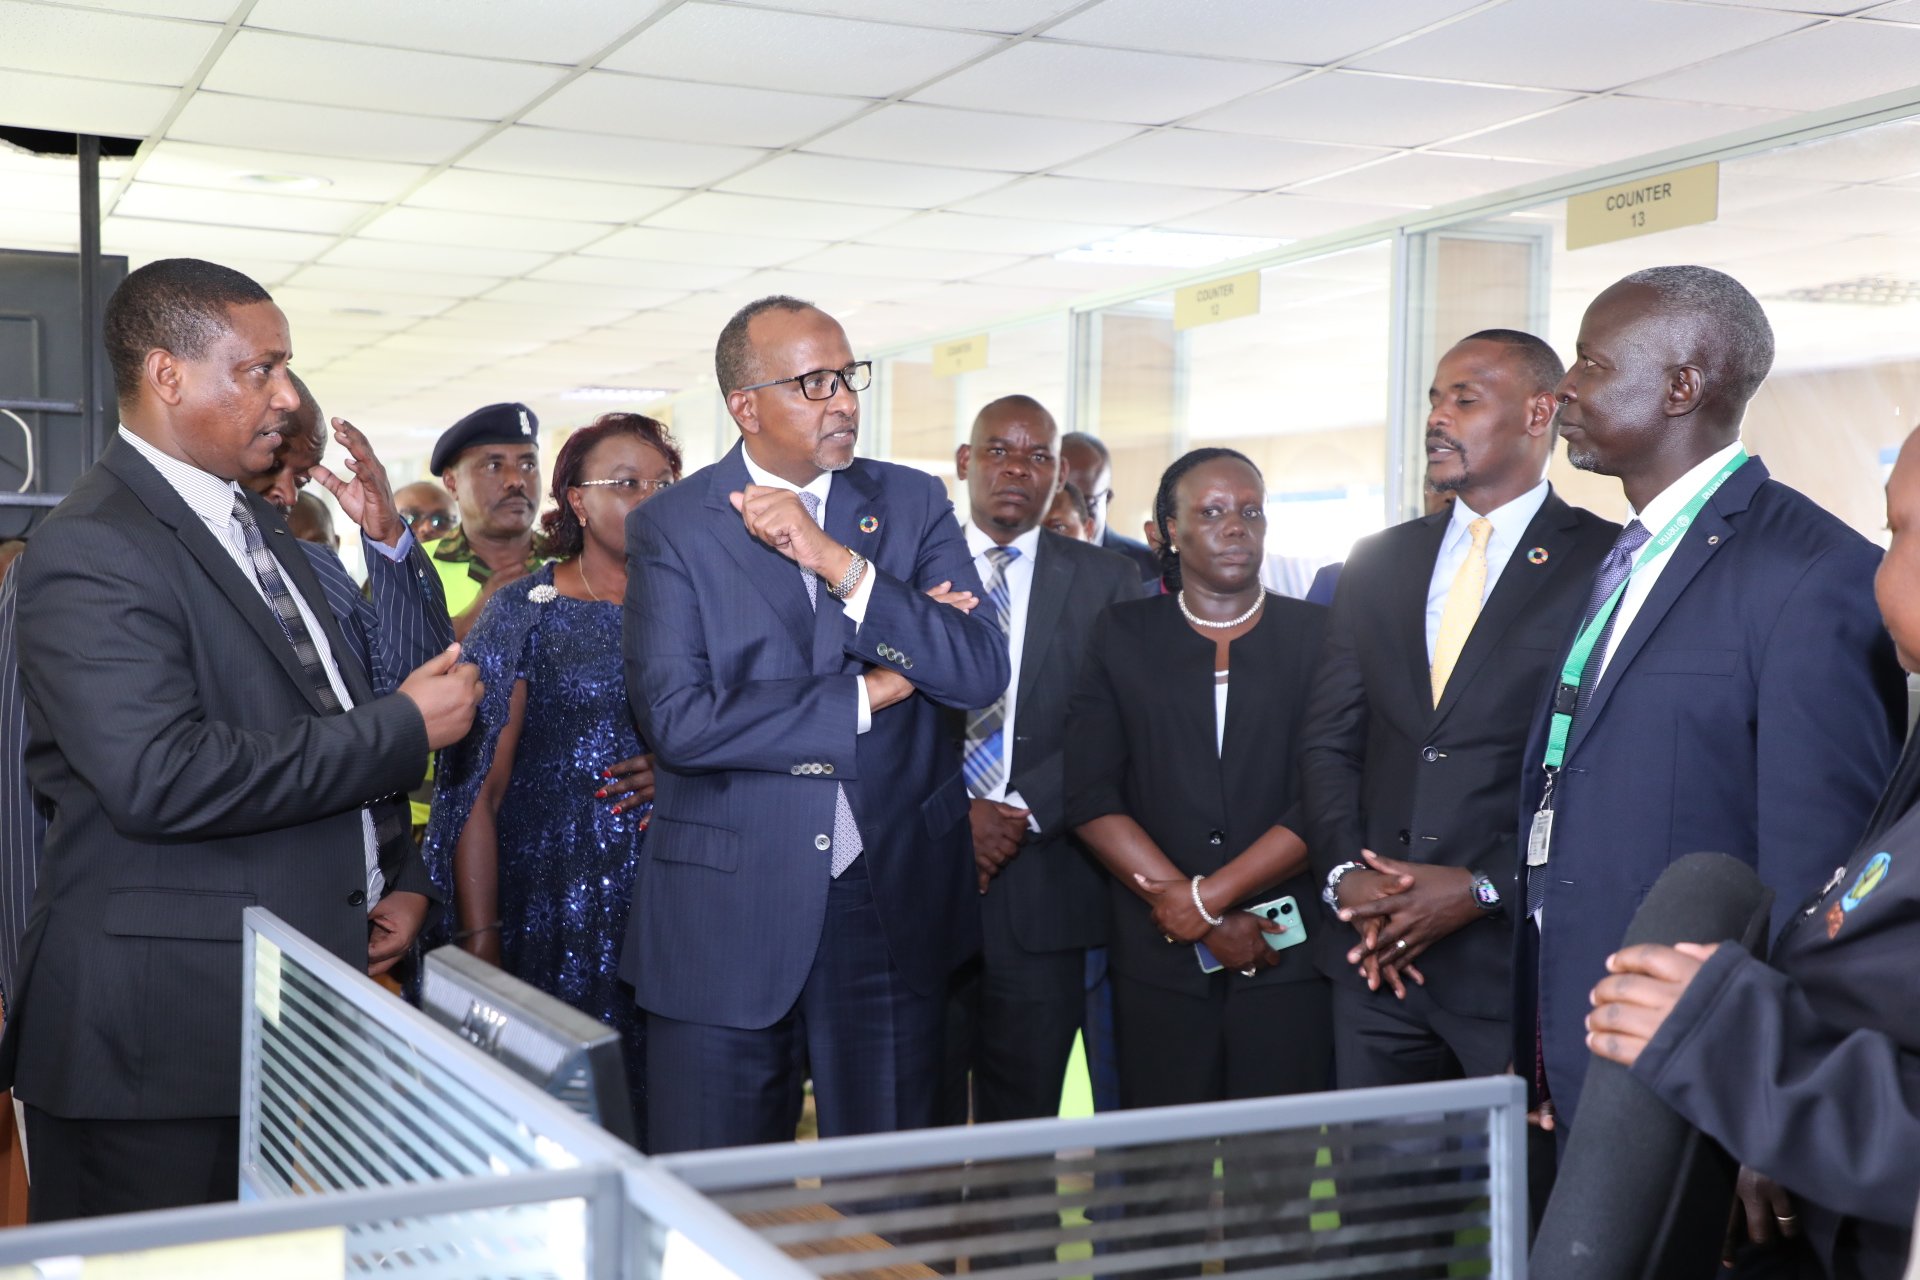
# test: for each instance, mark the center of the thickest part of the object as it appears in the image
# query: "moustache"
(1441, 437)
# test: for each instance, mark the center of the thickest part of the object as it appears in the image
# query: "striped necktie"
(846, 833)
(984, 758)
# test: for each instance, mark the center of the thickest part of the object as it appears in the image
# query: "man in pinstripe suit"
(201, 742)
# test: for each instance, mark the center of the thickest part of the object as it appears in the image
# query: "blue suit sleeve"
(407, 622)
(1831, 706)
(1831, 1114)
(22, 829)
(959, 660)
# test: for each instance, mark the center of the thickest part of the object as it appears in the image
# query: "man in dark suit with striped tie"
(203, 744)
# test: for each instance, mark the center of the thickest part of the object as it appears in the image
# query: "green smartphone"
(1285, 912)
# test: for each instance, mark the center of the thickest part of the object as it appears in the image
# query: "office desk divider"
(375, 1140)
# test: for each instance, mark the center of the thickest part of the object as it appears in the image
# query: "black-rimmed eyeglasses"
(824, 384)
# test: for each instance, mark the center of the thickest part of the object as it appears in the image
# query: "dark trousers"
(87, 1168)
(1379, 1040)
(871, 1046)
(1012, 1015)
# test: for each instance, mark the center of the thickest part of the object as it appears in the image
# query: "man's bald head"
(1008, 408)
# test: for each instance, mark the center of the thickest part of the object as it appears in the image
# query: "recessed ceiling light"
(631, 394)
(358, 311)
(1152, 247)
(283, 182)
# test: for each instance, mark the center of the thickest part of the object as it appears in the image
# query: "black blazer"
(190, 773)
(1382, 768)
(1140, 734)
(1054, 891)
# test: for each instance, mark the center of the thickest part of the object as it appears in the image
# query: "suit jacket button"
(1430, 754)
(358, 898)
(826, 768)
(1216, 837)
(822, 843)
(906, 662)
(1406, 837)
(799, 769)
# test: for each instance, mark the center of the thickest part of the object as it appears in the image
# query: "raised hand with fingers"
(367, 499)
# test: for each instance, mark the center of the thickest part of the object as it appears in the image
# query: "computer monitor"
(564, 1052)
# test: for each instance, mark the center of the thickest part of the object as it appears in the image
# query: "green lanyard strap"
(1575, 666)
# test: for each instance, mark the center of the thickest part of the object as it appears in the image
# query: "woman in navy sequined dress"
(539, 813)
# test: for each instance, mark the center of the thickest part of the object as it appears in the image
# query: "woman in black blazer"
(1174, 806)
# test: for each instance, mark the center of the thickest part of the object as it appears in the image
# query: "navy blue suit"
(745, 692)
(1753, 708)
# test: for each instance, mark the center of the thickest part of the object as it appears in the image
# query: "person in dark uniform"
(1807, 1071)
(490, 462)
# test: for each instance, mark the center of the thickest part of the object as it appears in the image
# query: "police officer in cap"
(490, 462)
(1808, 1071)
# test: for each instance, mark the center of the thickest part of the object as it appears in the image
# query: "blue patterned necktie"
(983, 759)
(846, 833)
(1613, 571)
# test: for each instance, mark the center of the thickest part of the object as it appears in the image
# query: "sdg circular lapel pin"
(868, 524)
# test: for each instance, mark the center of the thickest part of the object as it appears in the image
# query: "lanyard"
(1576, 663)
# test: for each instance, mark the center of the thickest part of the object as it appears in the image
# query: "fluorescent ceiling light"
(629, 394)
(1152, 247)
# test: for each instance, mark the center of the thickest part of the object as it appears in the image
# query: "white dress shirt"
(1509, 524)
(1654, 518)
(855, 605)
(1019, 591)
(211, 498)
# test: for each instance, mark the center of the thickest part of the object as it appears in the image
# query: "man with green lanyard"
(1729, 687)
(490, 462)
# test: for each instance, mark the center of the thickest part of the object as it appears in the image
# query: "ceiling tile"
(969, 139)
(1594, 131)
(199, 10)
(1312, 31)
(1508, 44)
(903, 264)
(379, 255)
(1839, 63)
(835, 291)
(1101, 84)
(764, 216)
(366, 280)
(178, 239)
(552, 293)
(264, 271)
(67, 105)
(1813, 6)
(1225, 160)
(264, 64)
(638, 274)
(47, 190)
(564, 31)
(800, 52)
(56, 40)
(481, 230)
(1430, 178)
(815, 177)
(1905, 11)
(363, 135)
(1003, 16)
(1868, 155)
(1074, 277)
(293, 298)
(473, 191)
(556, 153)
(1084, 200)
(511, 316)
(643, 107)
(1393, 111)
(991, 235)
(657, 245)
(38, 228)
(239, 208)
(1287, 217)
(192, 164)
(1846, 211)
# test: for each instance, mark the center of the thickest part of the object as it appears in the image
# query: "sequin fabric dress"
(567, 862)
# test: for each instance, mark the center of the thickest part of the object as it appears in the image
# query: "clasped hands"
(1237, 942)
(1399, 909)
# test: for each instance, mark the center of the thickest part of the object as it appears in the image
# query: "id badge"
(1539, 838)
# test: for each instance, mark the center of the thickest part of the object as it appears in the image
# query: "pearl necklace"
(1181, 597)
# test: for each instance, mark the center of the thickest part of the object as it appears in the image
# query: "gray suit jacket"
(189, 773)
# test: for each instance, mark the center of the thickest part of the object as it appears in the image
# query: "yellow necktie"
(1463, 606)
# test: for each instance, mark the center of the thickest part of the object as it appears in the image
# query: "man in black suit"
(1437, 650)
(1090, 468)
(202, 750)
(1043, 898)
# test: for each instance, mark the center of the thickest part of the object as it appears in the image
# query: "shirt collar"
(978, 542)
(818, 486)
(1510, 517)
(1675, 496)
(206, 494)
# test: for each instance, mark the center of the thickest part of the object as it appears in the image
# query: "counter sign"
(1682, 198)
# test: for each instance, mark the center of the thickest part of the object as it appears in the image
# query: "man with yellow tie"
(1438, 650)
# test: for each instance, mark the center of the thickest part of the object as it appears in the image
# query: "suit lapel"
(171, 510)
(1520, 581)
(297, 570)
(1710, 533)
(774, 577)
(1407, 603)
(853, 500)
(1052, 580)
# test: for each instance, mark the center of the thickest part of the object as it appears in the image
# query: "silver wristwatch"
(1331, 894)
(855, 567)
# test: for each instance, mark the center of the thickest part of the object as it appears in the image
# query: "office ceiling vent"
(1866, 291)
